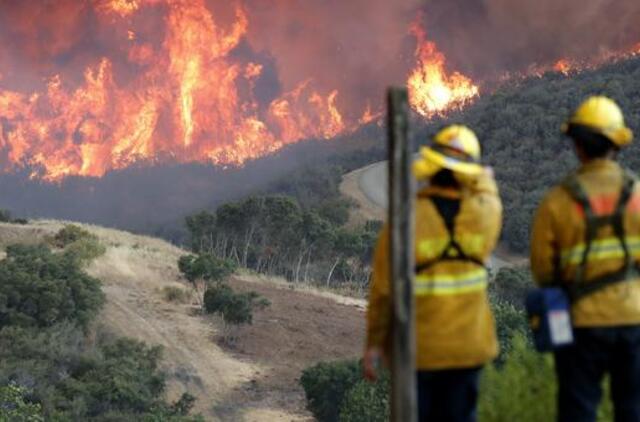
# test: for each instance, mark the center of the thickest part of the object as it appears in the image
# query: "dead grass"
(230, 385)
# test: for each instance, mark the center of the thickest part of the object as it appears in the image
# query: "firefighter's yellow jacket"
(454, 323)
(558, 239)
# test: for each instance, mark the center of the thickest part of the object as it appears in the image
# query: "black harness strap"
(593, 223)
(453, 251)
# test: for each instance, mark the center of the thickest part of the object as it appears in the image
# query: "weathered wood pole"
(401, 224)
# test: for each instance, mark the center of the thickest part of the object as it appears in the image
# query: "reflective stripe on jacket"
(558, 238)
(454, 323)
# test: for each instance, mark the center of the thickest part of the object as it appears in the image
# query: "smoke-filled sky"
(341, 43)
(122, 81)
(482, 37)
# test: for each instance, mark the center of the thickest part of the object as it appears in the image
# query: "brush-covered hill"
(519, 128)
(255, 378)
(518, 124)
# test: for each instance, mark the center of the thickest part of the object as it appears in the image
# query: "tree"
(202, 270)
(202, 227)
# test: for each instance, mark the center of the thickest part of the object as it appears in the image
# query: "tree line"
(274, 234)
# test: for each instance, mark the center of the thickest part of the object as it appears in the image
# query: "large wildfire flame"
(190, 99)
(431, 89)
(190, 103)
(186, 106)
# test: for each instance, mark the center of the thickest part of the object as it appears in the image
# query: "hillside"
(257, 379)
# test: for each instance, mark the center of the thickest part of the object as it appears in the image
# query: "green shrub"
(523, 388)
(122, 377)
(326, 386)
(39, 288)
(69, 234)
(15, 407)
(85, 250)
(176, 294)
(367, 402)
(234, 308)
(119, 379)
(510, 322)
(217, 298)
(511, 285)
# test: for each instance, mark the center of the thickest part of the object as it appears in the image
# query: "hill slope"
(257, 379)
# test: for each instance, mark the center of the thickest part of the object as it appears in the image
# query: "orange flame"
(563, 66)
(431, 90)
(185, 105)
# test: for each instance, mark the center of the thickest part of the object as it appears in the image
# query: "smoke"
(354, 46)
(489, 37)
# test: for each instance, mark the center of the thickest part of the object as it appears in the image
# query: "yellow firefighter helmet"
(603, 116)
(456, 148)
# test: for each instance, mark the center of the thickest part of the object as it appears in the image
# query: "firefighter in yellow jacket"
(458, 219)
(586, 237)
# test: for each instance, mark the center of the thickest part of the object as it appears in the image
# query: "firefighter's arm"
(484, 190)
(378, 313)
(543, 241)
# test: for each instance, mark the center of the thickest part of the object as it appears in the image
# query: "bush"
(117, 380)
(234, 308)
(15, 407)
(511, 285)
(523, 388)
(510, 322)
(40, 288)
(326, 386)
(85, 250)
(123, 377)
(367, 402)
(69, 234)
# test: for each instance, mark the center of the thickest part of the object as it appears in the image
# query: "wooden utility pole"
(401, 224)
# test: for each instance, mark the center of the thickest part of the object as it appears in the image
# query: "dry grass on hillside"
(255, 381)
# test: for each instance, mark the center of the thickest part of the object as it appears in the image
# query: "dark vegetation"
(54, 364)
(7, 217)
(303, 240)
(519, 127)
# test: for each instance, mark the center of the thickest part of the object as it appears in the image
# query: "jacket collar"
(599, 165)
